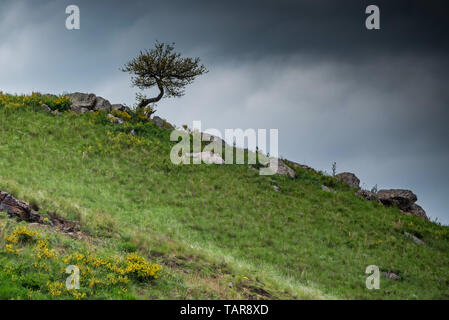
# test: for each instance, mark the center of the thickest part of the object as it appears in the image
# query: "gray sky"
(376, 102)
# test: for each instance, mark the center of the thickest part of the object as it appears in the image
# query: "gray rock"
(417, 211)
(277, 189)
(45, 108)
(114, 119)
(295, 164)
(161, 123)
(390, 275)
(102, 104)
(368, 195)
(121, 107)
(403, 199)
(414, 238)
(82, 100)
(158, 121)
(281, 168)
(349, 178)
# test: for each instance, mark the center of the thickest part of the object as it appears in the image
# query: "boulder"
(416, 210)
(88, 101)
(161, 123)
(82, 100)
(207, 157)
(102, 104)
(401, 198)
(349, 178)
(414, 238)
(158, 121)
(368, 195)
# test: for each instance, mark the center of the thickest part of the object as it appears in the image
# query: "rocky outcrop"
(25, 212)
(17, 208)
(84, 102)
(402, 199)
(349, 178)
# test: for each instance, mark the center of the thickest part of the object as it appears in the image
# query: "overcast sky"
(374, 101)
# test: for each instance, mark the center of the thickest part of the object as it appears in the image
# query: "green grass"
(217, 231)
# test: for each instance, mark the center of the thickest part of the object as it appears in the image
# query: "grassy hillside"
(216, 231)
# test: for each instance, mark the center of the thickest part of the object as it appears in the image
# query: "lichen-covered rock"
(349, 178)
(81, 100)
(88, 101)
(401, 198)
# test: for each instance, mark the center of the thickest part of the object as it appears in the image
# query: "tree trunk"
(146, 102)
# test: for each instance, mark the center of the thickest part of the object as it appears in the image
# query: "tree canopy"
(164, 68)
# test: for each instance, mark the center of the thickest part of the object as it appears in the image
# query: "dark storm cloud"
(375, 102)
(261, 28)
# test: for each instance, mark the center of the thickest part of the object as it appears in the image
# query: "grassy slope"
(210, 226)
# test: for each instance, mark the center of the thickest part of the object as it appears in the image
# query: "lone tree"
(165, 69)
